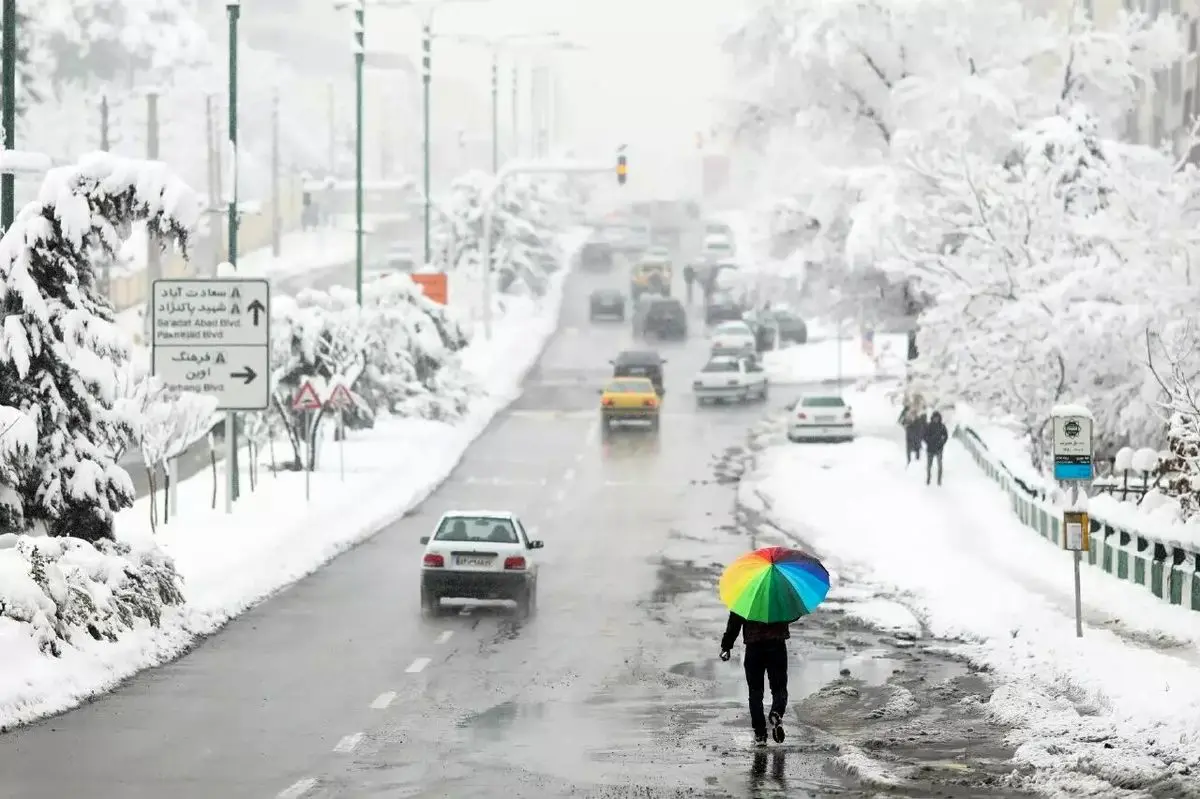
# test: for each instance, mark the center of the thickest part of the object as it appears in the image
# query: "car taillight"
(650, 403)
(801, 416)
(515, 563)
(434, 561)
(606, 402)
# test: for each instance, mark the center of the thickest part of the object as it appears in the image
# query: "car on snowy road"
(729, 378)
(479, 555)
(820, 418)
(733, 338)
(629, 399)
(607, 303)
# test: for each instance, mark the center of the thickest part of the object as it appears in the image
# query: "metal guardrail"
(1170, 570)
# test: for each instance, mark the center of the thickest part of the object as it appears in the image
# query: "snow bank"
(818, 360)
(228, 563)
(1092, 712)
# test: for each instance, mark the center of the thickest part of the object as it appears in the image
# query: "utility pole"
(495, 110)
(516, 110)
(153, 253)
(105, 141)
(426, 81)
(360, 55)
(276, 195)
(8, 114)
(233, 7)
(332, 111)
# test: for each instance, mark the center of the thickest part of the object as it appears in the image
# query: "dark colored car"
(607, 303)
(792, 329)
(722, 308)
(597, 256)
(666, 318)
(640, 363)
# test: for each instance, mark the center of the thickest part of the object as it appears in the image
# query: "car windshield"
(629, 387)
(823, 402)
(489, 529)
(721, 365)
(733, 329)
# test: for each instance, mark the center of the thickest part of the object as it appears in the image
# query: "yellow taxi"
(651, 277)
(629, 399)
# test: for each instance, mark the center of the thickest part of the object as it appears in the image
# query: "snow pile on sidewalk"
(275, 536)
(1092, 715)
(817, 361)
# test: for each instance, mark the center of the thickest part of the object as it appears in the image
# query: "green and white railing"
(1168, 569)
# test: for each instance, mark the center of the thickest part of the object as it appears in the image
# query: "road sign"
(1077, 531)
(340, 399)
(306, 399)
(433, 284)
(1072, 447)
(214, 337)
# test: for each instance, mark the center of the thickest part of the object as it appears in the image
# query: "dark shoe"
(760, 739)
(777, 733)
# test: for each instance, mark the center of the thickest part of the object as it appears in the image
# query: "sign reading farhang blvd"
(214, 337)
(1072, 447)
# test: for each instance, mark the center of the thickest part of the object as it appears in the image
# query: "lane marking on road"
(445, 636)
(503, 481)
(383, 700)
(297, 789)
(348, 743)
(418, 665)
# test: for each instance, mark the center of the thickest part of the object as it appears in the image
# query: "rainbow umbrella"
(774, 584)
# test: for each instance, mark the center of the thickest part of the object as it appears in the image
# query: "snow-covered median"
(227, 563)
(1119, 708)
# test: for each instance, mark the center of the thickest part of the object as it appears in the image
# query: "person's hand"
(724, 654)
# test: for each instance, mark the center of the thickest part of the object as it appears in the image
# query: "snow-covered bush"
(62, 353)
(68, 590)
(527, 214)
(391, 353)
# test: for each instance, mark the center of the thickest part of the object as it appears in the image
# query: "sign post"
(307, 401)
(1073, 464)
(340, 400)
(214, 337)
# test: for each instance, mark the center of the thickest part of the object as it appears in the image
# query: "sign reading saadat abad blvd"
(1072, 443)
(214, 337)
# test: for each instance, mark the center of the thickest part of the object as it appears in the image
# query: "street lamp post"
(360, 55)
(8, 63)
(234, 10)
(495, 110)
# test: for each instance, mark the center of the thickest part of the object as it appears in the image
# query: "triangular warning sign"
(340, 398)
(306, 399)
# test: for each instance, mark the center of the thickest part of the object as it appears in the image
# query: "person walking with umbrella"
(935, 436)
(765, 591)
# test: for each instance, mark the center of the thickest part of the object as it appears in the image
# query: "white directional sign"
(214, 337)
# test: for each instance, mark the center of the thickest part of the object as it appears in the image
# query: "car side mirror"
(537, 544)
(424, 539)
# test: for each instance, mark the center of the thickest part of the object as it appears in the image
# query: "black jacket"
(936, 435)
(753, 632)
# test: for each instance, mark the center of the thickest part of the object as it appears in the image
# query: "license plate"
(825, 419)
(468, 561)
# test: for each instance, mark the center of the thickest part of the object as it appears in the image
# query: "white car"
(479, 554)
(732, 338)
(820, 418)
(729, 378)
(717, 247)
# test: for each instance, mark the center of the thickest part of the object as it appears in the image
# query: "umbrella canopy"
(774, 584)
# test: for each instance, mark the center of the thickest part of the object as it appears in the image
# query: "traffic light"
(622, 169)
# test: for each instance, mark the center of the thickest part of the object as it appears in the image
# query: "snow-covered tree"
(61, 352)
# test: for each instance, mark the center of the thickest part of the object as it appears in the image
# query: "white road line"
(298, 789)
(348, 743)
(383, 700)
(418, 665)
(445, 636)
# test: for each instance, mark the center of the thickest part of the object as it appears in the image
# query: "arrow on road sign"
(246, 374)
(306, 399)
(256, 309)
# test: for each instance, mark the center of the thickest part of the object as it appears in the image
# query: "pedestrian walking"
(913, 421)
(766, 657)
(689, 279)
(936, 437)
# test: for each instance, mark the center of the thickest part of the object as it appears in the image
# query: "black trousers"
(930, 456)
(767, 659)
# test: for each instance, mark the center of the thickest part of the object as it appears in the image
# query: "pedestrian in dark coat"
(936, 437)
(689, 280)
(914, 423)
(766, 656)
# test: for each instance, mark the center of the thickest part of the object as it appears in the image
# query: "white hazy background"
(651, 76)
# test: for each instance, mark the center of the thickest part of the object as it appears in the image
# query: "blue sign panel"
(1073, 471)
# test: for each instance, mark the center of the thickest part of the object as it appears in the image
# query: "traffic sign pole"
(1074, 463)
(308, 402)
(214, 337)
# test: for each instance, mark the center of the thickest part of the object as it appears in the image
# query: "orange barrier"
(434, 285)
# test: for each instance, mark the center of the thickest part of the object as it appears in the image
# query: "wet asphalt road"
(338, 687)
(199, 456)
